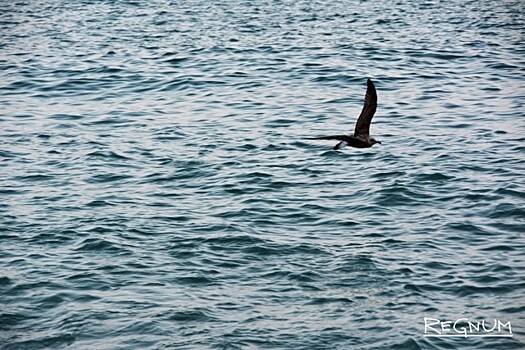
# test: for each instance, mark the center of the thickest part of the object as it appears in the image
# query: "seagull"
(361, 137)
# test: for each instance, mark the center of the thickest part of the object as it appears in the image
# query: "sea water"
(157, 190)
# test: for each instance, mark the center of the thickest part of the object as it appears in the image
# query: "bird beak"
(378, 142)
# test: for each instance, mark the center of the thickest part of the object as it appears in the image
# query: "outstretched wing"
(333, 137)
(362, 128)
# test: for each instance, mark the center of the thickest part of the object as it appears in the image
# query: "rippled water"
(157, 191)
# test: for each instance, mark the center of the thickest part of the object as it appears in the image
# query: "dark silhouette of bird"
(361, 137)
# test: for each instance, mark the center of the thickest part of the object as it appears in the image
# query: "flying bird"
(361, 137)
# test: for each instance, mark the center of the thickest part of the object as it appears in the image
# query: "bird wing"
(333, 137)
(362, 127)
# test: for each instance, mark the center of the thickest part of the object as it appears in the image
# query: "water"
(157, 192)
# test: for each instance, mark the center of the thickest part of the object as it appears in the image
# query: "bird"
(361, 136)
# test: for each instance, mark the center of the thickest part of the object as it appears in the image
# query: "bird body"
(346, 140)
(361, 136)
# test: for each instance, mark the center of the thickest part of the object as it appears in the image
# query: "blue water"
(157, 191)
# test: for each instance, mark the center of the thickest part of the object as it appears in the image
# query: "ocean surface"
(157, 190)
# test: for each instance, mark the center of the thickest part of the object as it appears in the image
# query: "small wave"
(105, 178)
(99, 245)
(191, 315)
